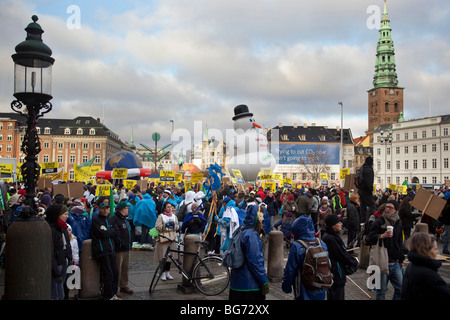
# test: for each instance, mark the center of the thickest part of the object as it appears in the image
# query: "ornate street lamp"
(28, 238)
(32, 89)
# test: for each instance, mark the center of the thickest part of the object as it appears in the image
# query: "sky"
(179, 65)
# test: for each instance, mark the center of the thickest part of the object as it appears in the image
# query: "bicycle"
(207, 274)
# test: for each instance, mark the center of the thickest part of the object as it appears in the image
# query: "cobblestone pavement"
(142, 267)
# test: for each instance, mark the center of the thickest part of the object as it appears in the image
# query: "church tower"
(386, 97)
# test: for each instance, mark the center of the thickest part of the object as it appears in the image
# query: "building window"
(59, 158)
(406, 149)
(433, 147)
(8, 148)
(97, 159)
(84, 158)
(434, 163)
(397, 164)
(9, 137)
(424, 134)
(406, 164)
(445, 163)
(67, 131)
(92, 132)
(47, 131)
(97, 146)
(424, 148)
(85, 145)
(79, 131)
(46, 145)
(72, 159)
(433, 180)
(445, 131)
(433, 133)
(73, 145)
(284, 137)
(397, 150)
(302, 137)
(414, 149)
(445, 146)
(1, 137)
(414, 135)
(415, 165)
(45, 158)
(424, 179)
(406, 135)
(388, 165)
(10, 126)
(424, 163)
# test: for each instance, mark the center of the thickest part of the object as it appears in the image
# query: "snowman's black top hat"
(241, 111)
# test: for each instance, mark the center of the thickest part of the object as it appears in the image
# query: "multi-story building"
(302, 152)
(68, 142)
(416, 151)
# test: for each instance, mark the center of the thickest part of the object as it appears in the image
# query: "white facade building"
(416, 151)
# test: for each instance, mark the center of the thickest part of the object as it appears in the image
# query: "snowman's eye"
(251, 120)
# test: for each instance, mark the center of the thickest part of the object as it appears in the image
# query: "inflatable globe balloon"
(126, 160)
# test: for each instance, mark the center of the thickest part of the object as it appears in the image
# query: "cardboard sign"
(349, 182)
(119, 173)
(237, 174)
(70, 190)
(44, 183)
(129, 184)
(428, 203)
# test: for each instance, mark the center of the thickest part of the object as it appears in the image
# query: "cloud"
(144, 63)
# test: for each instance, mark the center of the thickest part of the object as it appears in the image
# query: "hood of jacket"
(303, 228)
(251, 218)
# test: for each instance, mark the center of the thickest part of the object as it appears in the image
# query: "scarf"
(390, 220)
(61, 224)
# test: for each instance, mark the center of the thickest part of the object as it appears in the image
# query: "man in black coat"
(365, 190)
(103, 234)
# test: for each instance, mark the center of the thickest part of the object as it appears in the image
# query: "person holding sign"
(365, 190)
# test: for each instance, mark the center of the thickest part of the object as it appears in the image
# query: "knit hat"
(291, 197)
(332, 219)
(104, 204)
(395, 203)
(121, 205)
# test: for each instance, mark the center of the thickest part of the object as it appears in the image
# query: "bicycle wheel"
(159, 270)
(210, 276)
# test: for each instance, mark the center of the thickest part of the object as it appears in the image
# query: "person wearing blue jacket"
(250, 282)
(145, 216)
(302, 229)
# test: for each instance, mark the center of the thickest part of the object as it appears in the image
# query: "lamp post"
(28, 257)
(341, 160)
(386, 139)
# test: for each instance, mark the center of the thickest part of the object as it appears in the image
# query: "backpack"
(316, 271)
(359, 177)
(182, 211)
(233, 257)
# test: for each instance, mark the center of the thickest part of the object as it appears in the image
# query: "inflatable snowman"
(249, 149)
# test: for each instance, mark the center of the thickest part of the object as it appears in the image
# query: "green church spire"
(385, 75)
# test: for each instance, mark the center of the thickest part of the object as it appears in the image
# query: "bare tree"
(315, 162)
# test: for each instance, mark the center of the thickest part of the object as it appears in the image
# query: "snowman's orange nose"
(256, 125)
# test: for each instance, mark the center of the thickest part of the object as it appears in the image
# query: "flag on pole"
(87, 163)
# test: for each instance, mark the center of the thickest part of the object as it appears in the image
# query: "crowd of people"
(319, 215)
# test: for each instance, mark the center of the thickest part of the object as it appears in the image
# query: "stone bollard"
(275, 263)
(28, 260)
(90, 273)
(188, 259)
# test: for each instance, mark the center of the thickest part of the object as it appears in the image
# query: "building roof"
(311, 134)
(59, 126)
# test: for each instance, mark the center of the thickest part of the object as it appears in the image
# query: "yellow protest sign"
(277, 177)
(392, 186)
(178, 177)
(119, 173)
(6, 168)
(266, 174)
(402, 189)
(103, 190)
(323, 176)
(344, 172)
(237, 174)
(196, 177)
(81, 174)
(166, 175)
(187, 185)
(270, 185)
(49, 167)
(129, 184)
